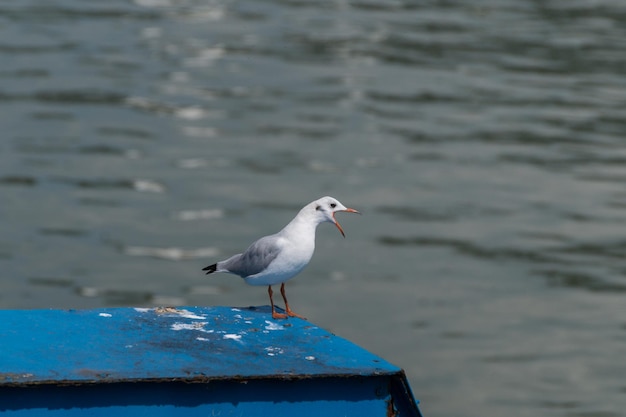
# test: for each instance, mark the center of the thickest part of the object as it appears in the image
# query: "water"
(483, 141)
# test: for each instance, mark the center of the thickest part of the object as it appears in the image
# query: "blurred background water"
(483, 141)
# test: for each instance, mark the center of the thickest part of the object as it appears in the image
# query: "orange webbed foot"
(276, 315)
(290, 313)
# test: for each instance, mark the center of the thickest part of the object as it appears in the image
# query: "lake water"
(484, 143)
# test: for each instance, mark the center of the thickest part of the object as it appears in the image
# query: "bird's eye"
(318, 207)
(333, 205)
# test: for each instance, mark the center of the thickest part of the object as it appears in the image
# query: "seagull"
(279, 257)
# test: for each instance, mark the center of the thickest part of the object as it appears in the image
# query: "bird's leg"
(275, 315)
(290, 313)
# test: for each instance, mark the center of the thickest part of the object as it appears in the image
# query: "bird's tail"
(210, 269)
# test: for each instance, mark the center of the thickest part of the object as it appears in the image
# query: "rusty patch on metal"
(192, 378)
(391, 409)
(93, 373)
(166, 310)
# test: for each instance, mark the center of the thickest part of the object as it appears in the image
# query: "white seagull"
(279, 257)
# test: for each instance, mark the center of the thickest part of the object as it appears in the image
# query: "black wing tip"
(210, 269)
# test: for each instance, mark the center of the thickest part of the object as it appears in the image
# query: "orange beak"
(349, 210)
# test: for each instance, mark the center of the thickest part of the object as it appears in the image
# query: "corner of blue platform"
(189, 361)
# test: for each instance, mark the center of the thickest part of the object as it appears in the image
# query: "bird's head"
(325, 209)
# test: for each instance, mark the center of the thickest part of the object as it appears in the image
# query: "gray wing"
(255, 259)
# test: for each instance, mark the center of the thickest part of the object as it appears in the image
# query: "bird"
(277, 258)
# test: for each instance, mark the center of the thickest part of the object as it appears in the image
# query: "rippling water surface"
(483, 141)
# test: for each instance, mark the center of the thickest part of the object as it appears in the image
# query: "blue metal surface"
(188, 361)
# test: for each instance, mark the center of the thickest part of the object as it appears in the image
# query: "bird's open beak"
(349, 210)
